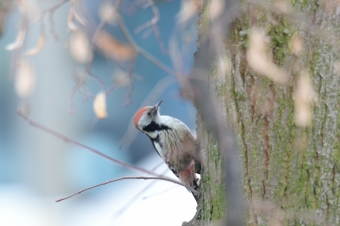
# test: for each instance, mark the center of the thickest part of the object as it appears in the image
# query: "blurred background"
(37, 168)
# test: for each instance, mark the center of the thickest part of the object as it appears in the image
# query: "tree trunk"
(291, 173)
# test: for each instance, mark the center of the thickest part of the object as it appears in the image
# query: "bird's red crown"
(138, 115)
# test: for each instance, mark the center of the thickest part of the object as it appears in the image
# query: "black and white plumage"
(173, 141)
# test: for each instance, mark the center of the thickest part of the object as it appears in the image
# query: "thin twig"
(109, 90)
(87, 71)
(97, 79)
(131, 88)
(159, 193)
(153, 23)
(50, 12)
(122, 209)
(141, 51)
(82, 81)
(122, 178)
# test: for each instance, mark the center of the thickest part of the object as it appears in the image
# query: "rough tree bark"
(291, 174)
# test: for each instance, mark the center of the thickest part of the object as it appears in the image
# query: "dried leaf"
(197, 4)
(215, 8)
(107, 13)
(283, 6)
(296, 45)
(275, 221)
(80, 47)
(38, 48)
(337, 68)
(303, 99)
(24, 79)
(223, 67)
(99, 105)
(18, 41)
(188, 10)
(260, 61)
(121, 78)
(113, 48)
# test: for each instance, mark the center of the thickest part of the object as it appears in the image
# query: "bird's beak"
(158, 104)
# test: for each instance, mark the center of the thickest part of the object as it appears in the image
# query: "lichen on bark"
(296, 170)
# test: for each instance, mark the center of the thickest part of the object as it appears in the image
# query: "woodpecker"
(173, 141)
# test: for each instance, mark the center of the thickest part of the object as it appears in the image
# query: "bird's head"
(146, 115)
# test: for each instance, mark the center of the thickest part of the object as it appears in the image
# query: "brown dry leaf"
(303, 99)
(80, 47)
(113, 48)
(18, 41)
(215, 8)
(283, 6)
(197, 4)
(223, 67)
(188, 10)
(99, 105)
(38, 47)
(337, 68)
(296, 45)
(260, 61)
(24, 79)
(121, 78)
(108, 13)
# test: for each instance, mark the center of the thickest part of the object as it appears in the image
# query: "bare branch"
(97, 79)
(122, 178)
(122, 209)
(159, 193)
(139, 49)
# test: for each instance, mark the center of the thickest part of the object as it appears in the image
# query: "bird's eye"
(149, 113)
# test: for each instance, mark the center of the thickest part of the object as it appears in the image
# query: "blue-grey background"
(37, 168)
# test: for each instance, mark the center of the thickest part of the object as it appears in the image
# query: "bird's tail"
(189, 178)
